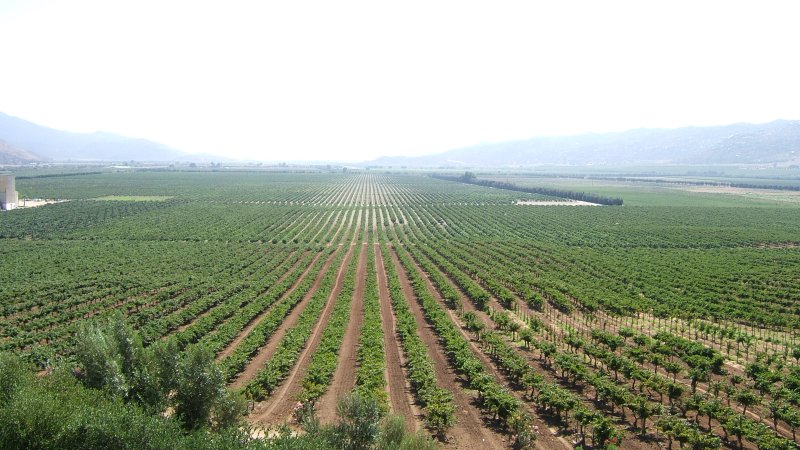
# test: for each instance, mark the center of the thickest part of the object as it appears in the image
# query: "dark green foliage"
(393, 436)
(57, 412)
(200, 385)
(111, 358)
(12, 375)
(361, 426)
(359, 420)
(62, 218)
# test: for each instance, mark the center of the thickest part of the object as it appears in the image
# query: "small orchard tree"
(697, 374)
(604, 434)
(524, 435)
(746, 398)
(643, 409)
(584, 417)
(673, 368)
(673, 427)
(513, 327)
(526, 335)
(704, 441)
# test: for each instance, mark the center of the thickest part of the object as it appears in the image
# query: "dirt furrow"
(545, 441)
(278, 407)
(344, 378)
(471, 430)
(401, 402)
(256, 320)
(266, 352)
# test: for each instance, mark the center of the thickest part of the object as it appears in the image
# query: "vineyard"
(481, 319)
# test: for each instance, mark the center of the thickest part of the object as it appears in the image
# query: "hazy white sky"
(280, 80)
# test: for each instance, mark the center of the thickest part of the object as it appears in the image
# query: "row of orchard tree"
(470, 178)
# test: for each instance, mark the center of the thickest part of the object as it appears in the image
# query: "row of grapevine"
(495, 399)
(295, 338)
(325, 358)
(370, 376)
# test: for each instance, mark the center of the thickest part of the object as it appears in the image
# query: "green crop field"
(482, 322)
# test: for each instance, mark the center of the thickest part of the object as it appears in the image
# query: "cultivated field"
(476, 318)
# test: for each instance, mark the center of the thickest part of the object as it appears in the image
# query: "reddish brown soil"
(266, 352)
(344, 378)
(470, 431)
(278, 407)
(256, 320)
(401, 402)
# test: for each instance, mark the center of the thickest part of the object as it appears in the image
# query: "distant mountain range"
(778, 142)
(10, 154)
(24, 142)
(774, 142)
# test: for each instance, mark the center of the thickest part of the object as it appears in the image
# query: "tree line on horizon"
(471, 178)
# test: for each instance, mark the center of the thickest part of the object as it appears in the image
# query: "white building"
(8, 192)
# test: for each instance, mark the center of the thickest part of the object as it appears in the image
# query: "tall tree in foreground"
(111, 358)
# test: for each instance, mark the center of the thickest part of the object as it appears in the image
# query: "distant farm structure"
(8, 193)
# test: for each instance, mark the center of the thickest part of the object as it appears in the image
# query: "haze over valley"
(776, 143)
